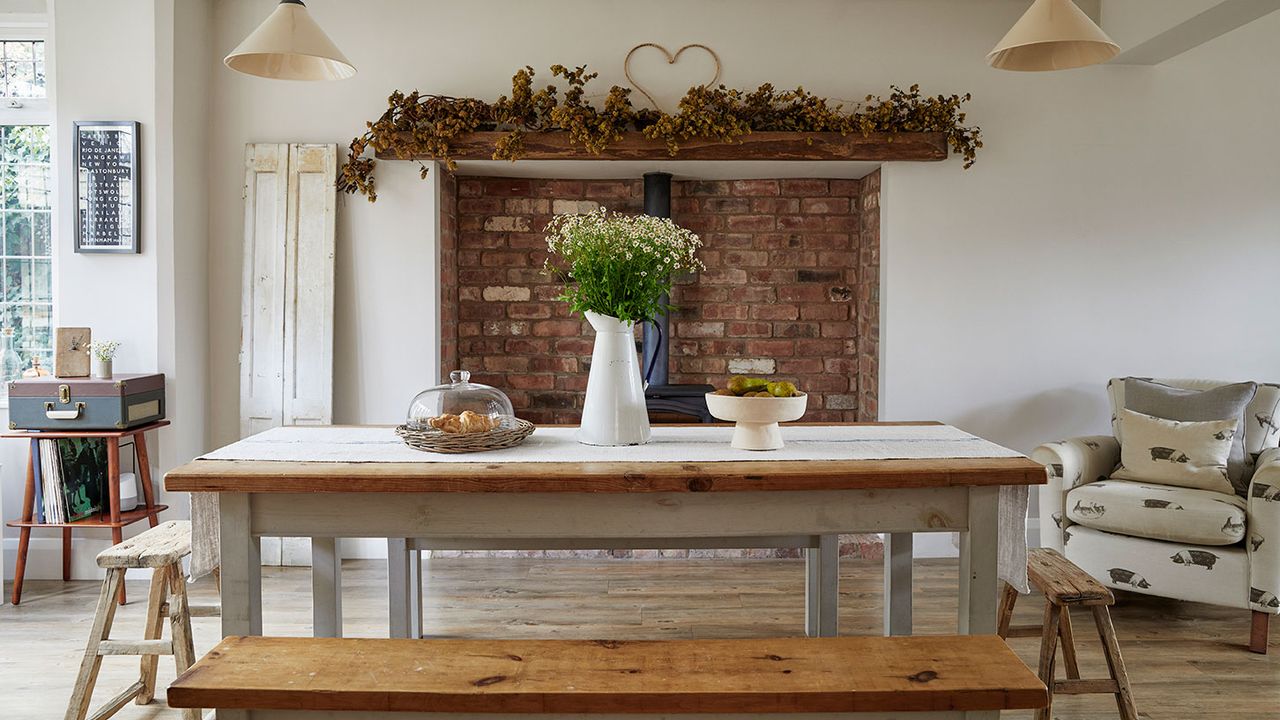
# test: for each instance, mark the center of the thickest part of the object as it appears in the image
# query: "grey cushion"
(1220, 403)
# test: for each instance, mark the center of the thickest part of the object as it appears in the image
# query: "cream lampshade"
(1052, 35)
(289, 45)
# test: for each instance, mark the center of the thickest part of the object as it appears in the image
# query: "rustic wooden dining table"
(486, 503)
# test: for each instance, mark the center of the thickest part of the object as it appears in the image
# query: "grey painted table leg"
(241, 568)
(898, 549)
(241, 576)
(326, 587)
(979, 549)
(822, 586)
(415, 578)
(400, 588)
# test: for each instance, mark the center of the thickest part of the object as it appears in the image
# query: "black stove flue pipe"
(656, 344)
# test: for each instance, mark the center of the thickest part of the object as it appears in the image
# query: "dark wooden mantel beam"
(782, 146)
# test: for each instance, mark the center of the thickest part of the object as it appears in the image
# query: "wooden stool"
(1065, 586)
(162, 549)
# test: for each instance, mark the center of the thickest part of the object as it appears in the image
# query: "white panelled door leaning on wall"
(286, 325)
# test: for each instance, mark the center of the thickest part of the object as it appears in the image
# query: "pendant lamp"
(1052, 35)
(289, 45)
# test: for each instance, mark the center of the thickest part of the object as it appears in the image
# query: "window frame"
(29, 108)
(37, 111)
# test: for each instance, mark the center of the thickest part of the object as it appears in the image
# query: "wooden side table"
(109, 517)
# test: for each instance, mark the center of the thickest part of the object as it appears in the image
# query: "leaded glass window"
(26, 300)
(22, 69)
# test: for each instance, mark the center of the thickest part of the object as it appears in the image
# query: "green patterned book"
(84, 475)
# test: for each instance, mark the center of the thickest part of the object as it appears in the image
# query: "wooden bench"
(295, 678)
(1064, 586)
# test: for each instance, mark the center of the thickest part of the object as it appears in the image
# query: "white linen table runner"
(338, 444)
(668, 444)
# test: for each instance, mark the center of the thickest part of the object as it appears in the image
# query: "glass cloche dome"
(457, 396)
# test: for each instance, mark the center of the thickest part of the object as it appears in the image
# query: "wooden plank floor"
(1187, 660)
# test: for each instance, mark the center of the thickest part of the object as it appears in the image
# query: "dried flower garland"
(417, 125)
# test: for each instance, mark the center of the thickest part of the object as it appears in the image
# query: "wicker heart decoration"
(671, 60)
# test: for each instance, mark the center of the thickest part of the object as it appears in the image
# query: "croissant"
(475, 422)
(446, 423)
(466, 423)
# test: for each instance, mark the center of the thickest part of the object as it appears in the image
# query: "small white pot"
(614, 411)
(128, 491)
(102, 369)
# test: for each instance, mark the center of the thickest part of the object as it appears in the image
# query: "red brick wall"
(777, 298)
(790, 290)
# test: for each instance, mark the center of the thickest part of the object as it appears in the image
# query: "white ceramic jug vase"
(614, 412)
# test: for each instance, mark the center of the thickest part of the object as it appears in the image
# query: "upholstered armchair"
(1174, 542)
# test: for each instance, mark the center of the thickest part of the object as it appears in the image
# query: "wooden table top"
(600, 477)
(754, 676)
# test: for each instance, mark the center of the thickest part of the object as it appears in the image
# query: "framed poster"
(107, 189)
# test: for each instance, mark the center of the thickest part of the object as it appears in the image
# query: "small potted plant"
(103, 353)
(616, 268)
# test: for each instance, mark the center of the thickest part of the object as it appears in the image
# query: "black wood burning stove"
(663, 399)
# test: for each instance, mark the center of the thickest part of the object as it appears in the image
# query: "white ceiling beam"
(1196, 31)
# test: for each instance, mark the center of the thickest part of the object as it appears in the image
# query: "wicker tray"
(511, 433)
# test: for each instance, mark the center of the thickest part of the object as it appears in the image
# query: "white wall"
(113, 294)
(1111, 224)
(1110, 228)
(149, 61)
(385, 318)
(1106, 228)
(24, 7)
(183, 279)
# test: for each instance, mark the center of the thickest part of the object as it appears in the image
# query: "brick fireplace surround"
(791, 290)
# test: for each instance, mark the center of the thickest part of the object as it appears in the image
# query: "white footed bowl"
(757, 418)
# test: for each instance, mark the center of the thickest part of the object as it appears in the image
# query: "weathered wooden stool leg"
(151, 630)
(184, 653)
(1068, 644)
(1115, 663)
(1048, 654)
(1008, 598)
(101, 630)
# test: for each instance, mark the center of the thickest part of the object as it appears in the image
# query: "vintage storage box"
(52, 403)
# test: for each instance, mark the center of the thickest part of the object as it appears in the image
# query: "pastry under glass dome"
(456, 397)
